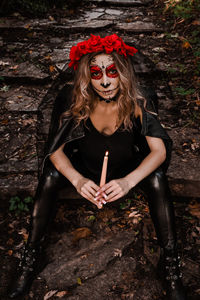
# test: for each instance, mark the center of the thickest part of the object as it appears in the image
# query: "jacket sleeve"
(62, 103)
(152, 127)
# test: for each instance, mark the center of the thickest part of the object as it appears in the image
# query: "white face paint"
(104, 76)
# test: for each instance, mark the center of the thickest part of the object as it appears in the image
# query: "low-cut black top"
(123, 155)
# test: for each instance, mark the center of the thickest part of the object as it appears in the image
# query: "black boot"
(169, 272)
(26, 271)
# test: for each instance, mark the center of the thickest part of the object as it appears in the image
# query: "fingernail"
(105, 196)
(95, 198)
(104, 202)
(97, 194)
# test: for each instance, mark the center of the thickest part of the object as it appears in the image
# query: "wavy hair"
(84, 97)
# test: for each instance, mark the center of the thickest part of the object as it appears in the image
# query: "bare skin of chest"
(104, 119)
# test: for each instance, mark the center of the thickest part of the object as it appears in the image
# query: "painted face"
(104, 76)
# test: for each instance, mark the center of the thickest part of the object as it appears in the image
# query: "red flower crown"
(97, 44)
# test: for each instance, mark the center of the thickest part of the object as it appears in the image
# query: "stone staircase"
(33, 70)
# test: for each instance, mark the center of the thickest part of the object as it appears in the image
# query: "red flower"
(112, 43)
(94, 44)
(97, 44)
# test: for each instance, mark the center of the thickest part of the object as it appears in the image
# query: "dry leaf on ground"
(61, 294)
(81, 233)
(50, 294)
(194, 209)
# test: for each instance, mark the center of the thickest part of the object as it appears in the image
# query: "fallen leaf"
(24, 233)
(118, 252)
(50, 294)
(51, 68)
(27, 26)
(48, 57)
(5, 88)
(198, 102)
(4, 122)
(10, 252)
(81, 233)
(61, 294)
(51, 18)
(134, 214)
(4, 63)
(79, 281)
(121, 226)
(194, 209)
(186, 45)
(91, 218)
(10, 242)
(196, 22)
(14, 67)
(145, 209)
(28, 122)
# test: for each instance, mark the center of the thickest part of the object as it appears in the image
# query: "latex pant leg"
(49, 184)
(161, 207)
(162, 213)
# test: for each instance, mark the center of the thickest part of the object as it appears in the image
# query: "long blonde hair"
(84, 97)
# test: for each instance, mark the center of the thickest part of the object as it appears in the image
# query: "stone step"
(22, 72)
(184, 169)
(138, 27)
(23, 98)
(16, 184)
(82, 27)
(101, 253)
(18, 151)
(128, 3)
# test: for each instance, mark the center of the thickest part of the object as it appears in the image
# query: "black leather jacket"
(69, 132)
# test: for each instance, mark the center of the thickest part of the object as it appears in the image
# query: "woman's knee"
(50, 177)
(157, 181)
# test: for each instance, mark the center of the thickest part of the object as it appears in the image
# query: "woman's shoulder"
(66, 91)
(64, 98)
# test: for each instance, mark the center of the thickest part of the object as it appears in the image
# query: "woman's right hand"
(84, 186)
(88, 189)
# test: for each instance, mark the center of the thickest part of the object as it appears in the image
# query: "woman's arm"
(64, 166)
(151, 162)
(84, 186)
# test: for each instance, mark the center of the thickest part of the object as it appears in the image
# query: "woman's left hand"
(114, 189)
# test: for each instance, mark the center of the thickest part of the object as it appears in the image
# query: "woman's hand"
(88, 189)
(114, 189)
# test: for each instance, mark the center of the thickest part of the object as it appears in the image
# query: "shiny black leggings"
(155, 187)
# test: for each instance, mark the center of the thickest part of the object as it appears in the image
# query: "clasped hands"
(109, 192)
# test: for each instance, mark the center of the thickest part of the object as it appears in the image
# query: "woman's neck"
(107, 101)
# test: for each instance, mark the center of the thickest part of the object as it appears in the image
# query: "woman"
(106, 111)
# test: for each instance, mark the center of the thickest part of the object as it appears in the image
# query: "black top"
(123, 156)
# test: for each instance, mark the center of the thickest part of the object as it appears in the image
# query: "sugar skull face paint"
(104, 76)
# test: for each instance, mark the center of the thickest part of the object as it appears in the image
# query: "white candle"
(104, 169)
